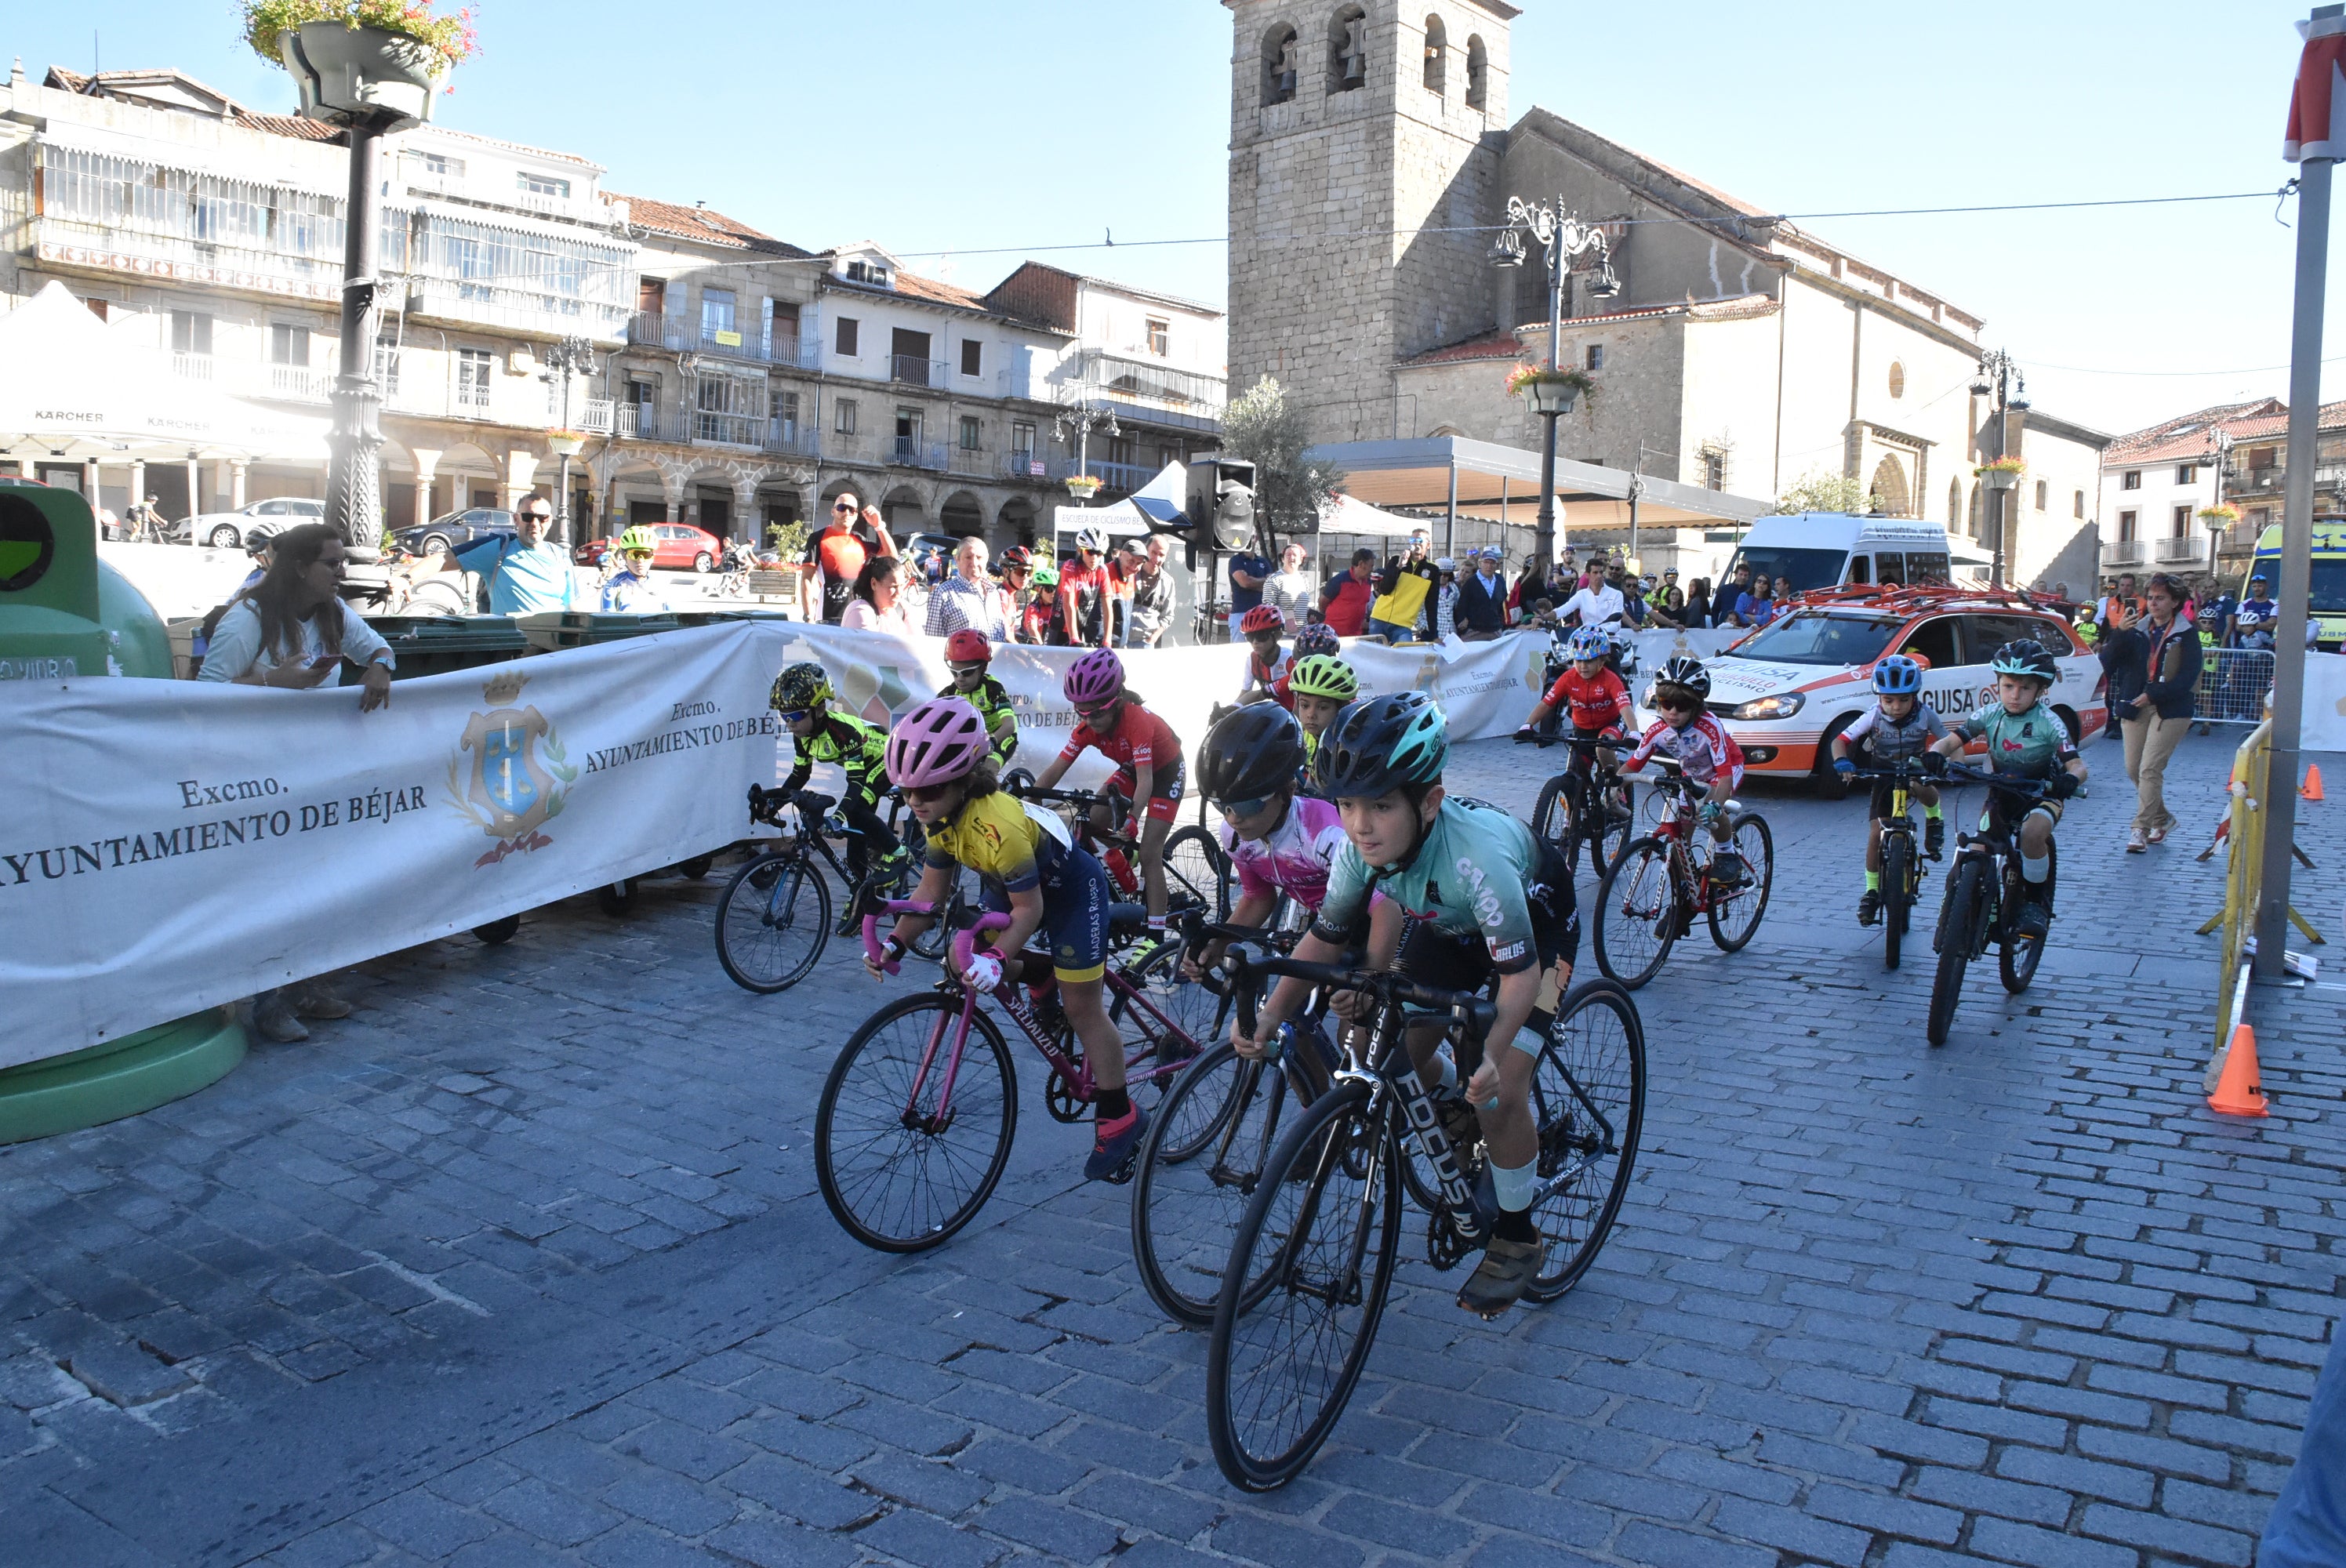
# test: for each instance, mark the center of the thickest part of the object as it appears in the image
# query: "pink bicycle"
(916, 1119)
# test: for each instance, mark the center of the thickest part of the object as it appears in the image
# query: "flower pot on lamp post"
(2216, 519)
(362, 76)
(565, 442)
(1083, 487)
(2002, 474)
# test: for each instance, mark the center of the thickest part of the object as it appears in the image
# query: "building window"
(1897, 379)
(2182, 522)
(386, 365)
(1277, 66)
(786, 416)
(2126, 528)
(972, 357)
(1022, 444)
(1714, 470)
(1161, 337)
(473, 369)
(1348, 50)
(909, 432)
(439, 163)
(717, 315)
(288, 345)
(537, 184)
(873, 272)
(2261, 457)
(1595, 357)
(843, 416)
(2077, 508)
(968, 434)
(191, 332)
(2187, 473)
(1478, 73)
(2043, 491)
(1437, 52)
(844, 342)
(643, 406)
(2260, 518)
(2130, 480)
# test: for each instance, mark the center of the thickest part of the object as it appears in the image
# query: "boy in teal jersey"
(2026, 739)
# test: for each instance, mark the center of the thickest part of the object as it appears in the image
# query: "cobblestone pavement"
(524, 1263)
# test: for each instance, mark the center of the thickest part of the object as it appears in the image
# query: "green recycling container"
(429, 645)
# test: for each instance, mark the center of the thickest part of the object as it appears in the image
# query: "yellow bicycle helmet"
(1324, 675)
(639, 538)
(799, 687)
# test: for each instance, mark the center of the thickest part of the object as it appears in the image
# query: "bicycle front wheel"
(1735, 917)
(901, 1169)
(1637, 915)
(1957, 919)
(1897, 894)
(1588, 1098)
(1197, 1168)
(2017, 961)
(1613, 813)
(772, 920)
(1182, 1017)
(1305, 1286)
(1197, 873)
(1555, 817)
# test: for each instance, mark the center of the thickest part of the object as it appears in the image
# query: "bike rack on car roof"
(1924, 596)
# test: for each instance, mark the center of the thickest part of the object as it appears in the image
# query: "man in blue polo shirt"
(524, 574)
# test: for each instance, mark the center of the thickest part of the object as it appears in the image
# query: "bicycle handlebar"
(1590, 742)
(873, 952)
(964, 943)
(1463, 1006)
(2030, 788)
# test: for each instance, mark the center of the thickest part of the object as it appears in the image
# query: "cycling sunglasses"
(925, 794)
(795, 715)
(1678, 702)
(975, 667)
(1102, 711)
(1237, 808)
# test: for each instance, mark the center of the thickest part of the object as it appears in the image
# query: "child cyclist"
(1483, 897)
(1589, 691)
(1898, 726)
(1150, 772)
(821, 733)
(2026, 739)
(1323, 685)
(631, 591)
(967, 654)
(1706, 754)
(941, 756)
(1266, 665)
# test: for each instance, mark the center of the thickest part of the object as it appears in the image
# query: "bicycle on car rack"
(1982, 904)
(1902, 856)
(1595, 808)
(915, 1122)
(1312, 1263)
(1652, 893)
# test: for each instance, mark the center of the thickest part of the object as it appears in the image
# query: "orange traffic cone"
(2312, 789)
(2239, 1095)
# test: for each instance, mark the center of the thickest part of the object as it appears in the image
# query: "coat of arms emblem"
(519, 772)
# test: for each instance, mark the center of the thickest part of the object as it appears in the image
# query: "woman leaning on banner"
(292, 631)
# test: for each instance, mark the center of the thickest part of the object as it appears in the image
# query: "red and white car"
(1786, 690)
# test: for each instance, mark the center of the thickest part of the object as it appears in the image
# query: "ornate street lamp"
(1078, 421)
(569, 357)
(1553, 394)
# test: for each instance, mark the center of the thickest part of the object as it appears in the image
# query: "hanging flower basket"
(1551, 391)
(2001, 472)
(372, 63)
(2217, 518)
(566, 443)
(1083, 486)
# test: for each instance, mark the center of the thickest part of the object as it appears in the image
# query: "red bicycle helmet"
(967, 644)
(939, 742)
(1261, 618)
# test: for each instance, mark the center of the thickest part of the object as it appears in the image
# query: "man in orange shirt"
(840, 552)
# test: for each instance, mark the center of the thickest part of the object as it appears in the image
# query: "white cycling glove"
(983, 971)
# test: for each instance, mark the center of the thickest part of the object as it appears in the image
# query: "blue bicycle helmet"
(1897, 676)
(1588, 642)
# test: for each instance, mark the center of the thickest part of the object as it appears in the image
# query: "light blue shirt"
(524, 579)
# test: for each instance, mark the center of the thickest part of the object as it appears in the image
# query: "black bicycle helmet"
(1381, 744)
(1686, 670)
(1252, 753)
(2025, 657)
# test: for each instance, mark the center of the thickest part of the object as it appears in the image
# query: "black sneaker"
(1934, 836)
(2036, 918)
(1507, 1269)
(1727, 871)
(1869, 906)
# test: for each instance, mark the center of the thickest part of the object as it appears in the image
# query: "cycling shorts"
(1170, 784)
(1074, 915)
(1452, 962)
(2005, 813)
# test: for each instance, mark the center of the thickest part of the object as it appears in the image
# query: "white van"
(1825, 549)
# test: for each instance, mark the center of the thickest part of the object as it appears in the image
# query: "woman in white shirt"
(878, 601)
(292, 630)
(1291, 590)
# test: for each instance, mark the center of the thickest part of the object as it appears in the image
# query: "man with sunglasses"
(840, 552)
(524, 574)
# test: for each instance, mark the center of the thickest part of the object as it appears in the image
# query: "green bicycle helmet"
(1046, 575)
(2025, 657)
(639, 538)
(1381, 744)
(1323, 675)
(800, 686)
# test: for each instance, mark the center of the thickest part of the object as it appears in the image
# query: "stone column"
(427, 464)
(746, 523)
(137, 483)
(236, 486)
(89, 484)
(521, 474)
(672, 492)
(195, 487)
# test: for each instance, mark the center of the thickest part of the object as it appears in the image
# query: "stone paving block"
(1055, 1532)
(1278, 1544)
(919, 1539)
(550, 1515)
(639, 1546)
(798, 1493)
(772, 1544)
(427, 1525)
(2178, 1537)
(1663, 1547)
(2036, 1548)
(1803, 1534)
(933, 1488)
(670, 1502)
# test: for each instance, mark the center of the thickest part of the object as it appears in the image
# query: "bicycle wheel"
(2019, 955)
(1956, 918)
(773, 919)
(1557, 815)
(1197, 1166)
(1197, 873)
(1193, 1017)
(1637, 915)
(1304, 1287)
(1897, 869)
(894, 1174)
(1616, 814)
(1734, 918)
(1588, 1097)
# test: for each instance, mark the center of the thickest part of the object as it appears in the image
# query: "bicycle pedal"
(1122, 1173)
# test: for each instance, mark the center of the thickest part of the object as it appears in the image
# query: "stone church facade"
(1372, 159)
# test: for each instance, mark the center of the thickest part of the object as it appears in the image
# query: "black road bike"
(1985, 895)
(1595, 808)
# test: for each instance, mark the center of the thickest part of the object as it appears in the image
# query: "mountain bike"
(914, 1124)
(1597, 808)
(1312, 1261)
(1653, 892)
(1902, 856)
(773, 918)
(1983, 903)
(1197, 873)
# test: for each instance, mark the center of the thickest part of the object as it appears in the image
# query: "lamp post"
(569, 357)
(1078, 421)
(1561, 239)
(2000, 379)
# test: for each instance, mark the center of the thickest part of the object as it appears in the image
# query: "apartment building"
(2156, 482)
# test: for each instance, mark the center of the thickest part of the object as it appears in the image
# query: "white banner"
(169, 845)
(2324, 712)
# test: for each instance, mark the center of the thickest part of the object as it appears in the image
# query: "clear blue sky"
(961, 127)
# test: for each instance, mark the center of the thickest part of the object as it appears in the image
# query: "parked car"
(1786, 690)
(454, 530)
(932, 554)
(248, 526)
(681, 546)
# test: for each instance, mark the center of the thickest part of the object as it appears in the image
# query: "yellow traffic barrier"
(2244, 834)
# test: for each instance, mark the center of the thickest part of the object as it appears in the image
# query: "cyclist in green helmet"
(820, 732)
(631, 591)
(1322, 684)
(2026, 739)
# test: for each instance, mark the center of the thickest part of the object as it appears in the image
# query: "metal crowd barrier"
(2232, 686)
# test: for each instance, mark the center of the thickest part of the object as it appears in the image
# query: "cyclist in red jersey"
(1150, 770)
(1268, 666)
(1589, 693)
(1087, 618)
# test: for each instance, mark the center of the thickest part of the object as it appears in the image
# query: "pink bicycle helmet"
(939, 742)
(1095, 678)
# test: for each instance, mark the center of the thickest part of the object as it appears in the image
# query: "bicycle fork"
(935, 1122)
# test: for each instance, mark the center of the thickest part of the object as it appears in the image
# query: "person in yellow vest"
(1401, 594)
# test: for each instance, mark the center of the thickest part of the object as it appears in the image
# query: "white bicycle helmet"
(1093, 539)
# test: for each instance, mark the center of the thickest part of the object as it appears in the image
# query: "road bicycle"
(773, 919)
(915, 1121)
(1652, 893)
(1983, 903)
(1902, 856)
(1310, 1267)
(1196, 872)
(1596, 809)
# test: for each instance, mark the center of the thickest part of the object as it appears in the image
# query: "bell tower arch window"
(1437, 54)
(1348, 50)
(1278, 65)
